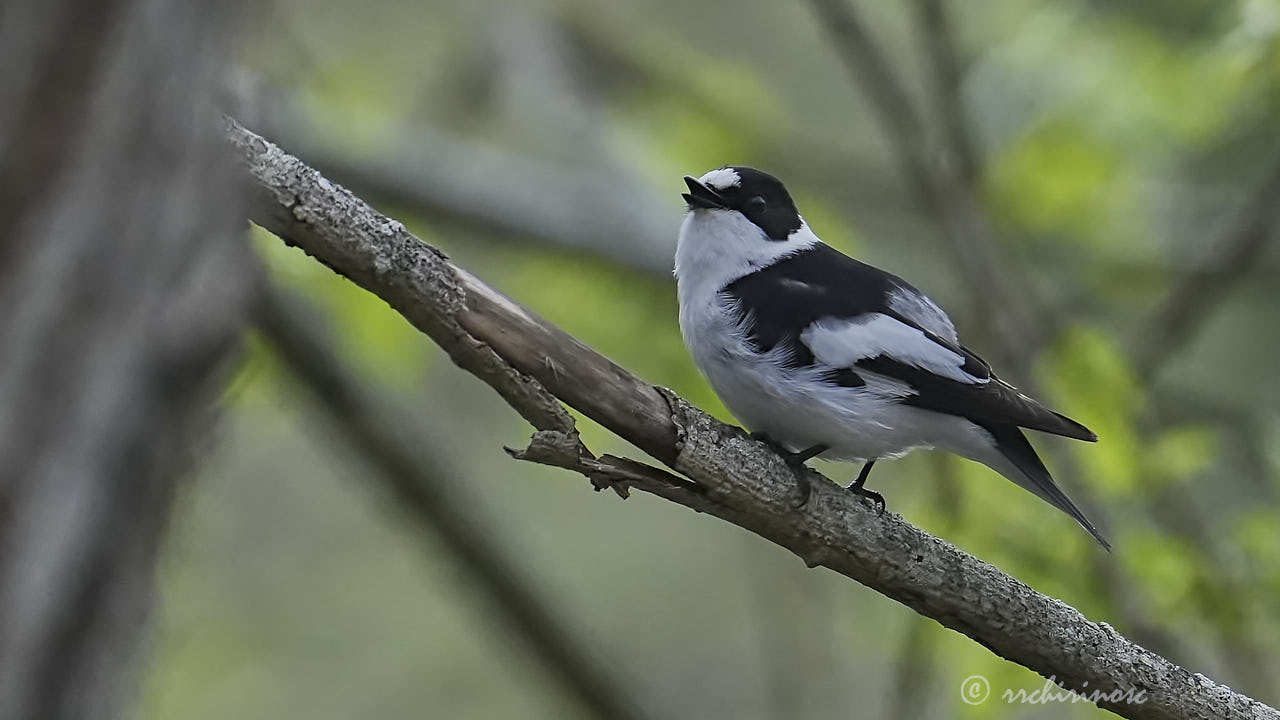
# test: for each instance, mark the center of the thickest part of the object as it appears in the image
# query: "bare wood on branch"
(417, 473)
(535, 366)
(496, 192)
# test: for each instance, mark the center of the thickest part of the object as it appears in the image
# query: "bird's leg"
(796, 460)
(857, 487)
(774, 445)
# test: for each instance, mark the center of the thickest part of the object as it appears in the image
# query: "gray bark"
(535, 366)
(419, 476)
(120, 280)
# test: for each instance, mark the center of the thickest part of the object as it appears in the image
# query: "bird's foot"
(796, 461)
(876, 498)
(857, 487)
(806, 488)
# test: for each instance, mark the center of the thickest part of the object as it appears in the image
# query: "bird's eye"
(757, 204)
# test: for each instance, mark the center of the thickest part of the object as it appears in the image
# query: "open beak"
(701, 196)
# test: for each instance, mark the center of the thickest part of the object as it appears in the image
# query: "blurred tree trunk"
(121, 298)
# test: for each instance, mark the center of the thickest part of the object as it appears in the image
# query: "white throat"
(717, 247)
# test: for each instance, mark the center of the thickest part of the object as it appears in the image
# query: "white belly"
(797, 409)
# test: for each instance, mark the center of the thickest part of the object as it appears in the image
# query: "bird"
(822, 356)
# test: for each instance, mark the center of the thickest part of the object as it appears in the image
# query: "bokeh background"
(1120, 160)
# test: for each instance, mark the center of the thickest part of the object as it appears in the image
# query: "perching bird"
(821, 355)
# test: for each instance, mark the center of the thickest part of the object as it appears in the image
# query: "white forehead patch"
(721, 179)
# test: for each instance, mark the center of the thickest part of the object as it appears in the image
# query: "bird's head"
(740, 220)
(758, 196)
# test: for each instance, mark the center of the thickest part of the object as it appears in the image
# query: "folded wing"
(832, 310)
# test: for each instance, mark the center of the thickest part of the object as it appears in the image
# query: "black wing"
(994, 401)
(781, 301)
(788, 296)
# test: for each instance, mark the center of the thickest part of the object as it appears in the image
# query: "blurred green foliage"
(1113, 137)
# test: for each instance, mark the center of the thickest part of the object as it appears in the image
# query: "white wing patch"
(721, 179)
(922, 311)
(841, 342)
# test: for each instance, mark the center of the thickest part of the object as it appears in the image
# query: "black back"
(776, 304)
(780, 301)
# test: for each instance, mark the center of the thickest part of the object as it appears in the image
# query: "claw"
(876, 498)
(806, 489)
(796, 461)
(856, 487)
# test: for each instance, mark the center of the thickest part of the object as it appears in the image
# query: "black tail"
(1034, 476)
(1073, 429)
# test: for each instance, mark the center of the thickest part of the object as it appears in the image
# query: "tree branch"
(122, 283)
(953, 207)
(417, 474)
(1232, 252)
(497, 192)
(938, 40)
(948, 192)
(534, 365)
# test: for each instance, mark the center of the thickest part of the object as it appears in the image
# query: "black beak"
(701, 196)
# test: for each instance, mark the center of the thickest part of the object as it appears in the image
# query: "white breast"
(716, 247)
